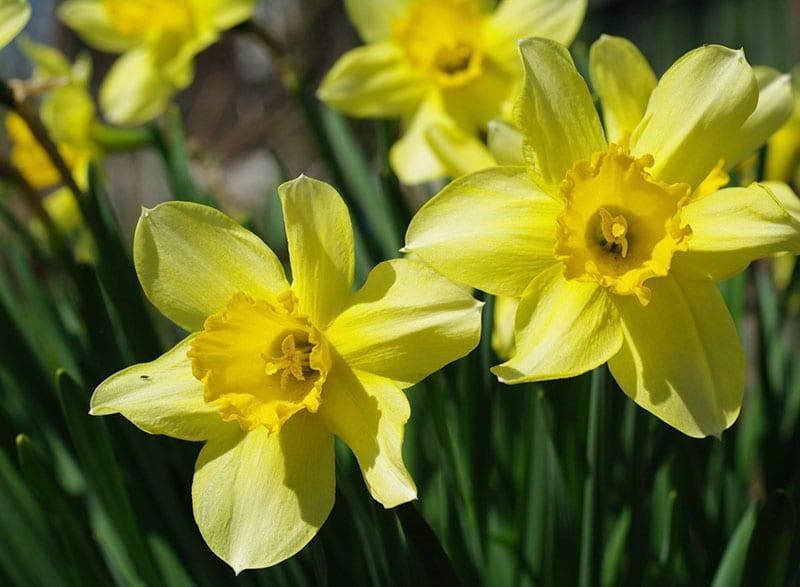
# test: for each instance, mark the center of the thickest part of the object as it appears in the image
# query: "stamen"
(453, 60)
(295, 361)
(615, 230)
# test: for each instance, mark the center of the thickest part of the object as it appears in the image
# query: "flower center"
(619, 226)
(613, 231)
(260, 362)
(443, 38)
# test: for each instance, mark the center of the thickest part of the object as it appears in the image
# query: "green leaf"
(90, 438)
(729, 571)
(116, 274)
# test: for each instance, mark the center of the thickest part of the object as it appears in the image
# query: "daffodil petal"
(412, 157)
(699, 103)
(192, 259)
(228, 13)
(505, 316)
(160, 397)
(505, 143)
(556, 112)
(775, 107)
(369, 413)
(320, 238)
(459, 152)
(563, 328)
(405, 323)
(373, 18)
(135, 90)
(90, 20)
(681, 359)
(735, 226)
(513, 20)
(374, 81)
(14, 15)
(624, 80)
(494, 230)
(258, 498)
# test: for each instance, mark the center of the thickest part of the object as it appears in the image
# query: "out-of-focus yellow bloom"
(158, 39)
(445, 67)
(272, 371)
(613, 249)
(14, 15)
(783, 149)
(68, 113)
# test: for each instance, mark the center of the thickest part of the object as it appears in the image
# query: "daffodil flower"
(783, 149)
(445, 68)
(612, 241)
(68, 113)
(14, 15)
(158, 40)
(272, 371)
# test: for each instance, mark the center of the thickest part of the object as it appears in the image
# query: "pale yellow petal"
(373, 18)
(473, 104)
(699, 103)
(563, 328)
(369, 414)
(91, 21)
(374, 81)
(513, 20)
(556, 112)
(136, 89)
(775, 107)
(14, 15)
(160, 397)
(459, 152)
(48, 62)
(229, 13)
(258, 499)
(192, 259)
(624, 80)
(505, 143)
(412, 157)
(320, 238)
(405, 323)
(681, 359)
(505, 316)
(735, 226)
(494, 230)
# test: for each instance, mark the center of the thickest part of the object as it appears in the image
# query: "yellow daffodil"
(14, 15)
(783, 149)
(68, 112)
(158, 40)
(612, 240)
(272, 371)
(445, 68)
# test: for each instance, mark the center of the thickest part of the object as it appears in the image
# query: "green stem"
(592, 520)
(112, 138)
